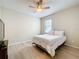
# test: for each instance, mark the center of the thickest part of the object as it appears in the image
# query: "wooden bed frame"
(40, 47)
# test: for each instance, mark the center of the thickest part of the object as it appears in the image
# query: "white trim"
(72, 46)
(17, 43)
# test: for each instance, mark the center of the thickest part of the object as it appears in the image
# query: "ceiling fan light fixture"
(39, 8)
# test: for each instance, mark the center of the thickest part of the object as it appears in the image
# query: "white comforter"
(49, 42)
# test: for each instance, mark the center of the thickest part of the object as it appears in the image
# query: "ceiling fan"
(39, 5)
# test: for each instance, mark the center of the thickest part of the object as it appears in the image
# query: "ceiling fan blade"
(46, 8)
(32, 6)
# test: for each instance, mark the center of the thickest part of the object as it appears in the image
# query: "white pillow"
(59, 33)
(51, 33)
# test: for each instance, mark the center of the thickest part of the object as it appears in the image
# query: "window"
(48, 26)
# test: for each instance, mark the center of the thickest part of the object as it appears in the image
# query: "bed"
(49, 42)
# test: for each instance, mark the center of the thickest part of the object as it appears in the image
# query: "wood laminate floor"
(25, 51)
(64, 52)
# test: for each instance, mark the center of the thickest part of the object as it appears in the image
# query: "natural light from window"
(48, 26)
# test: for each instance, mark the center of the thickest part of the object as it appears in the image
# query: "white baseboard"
(72, 46)
(17, 43)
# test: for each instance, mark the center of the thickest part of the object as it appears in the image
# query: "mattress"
(49, 42)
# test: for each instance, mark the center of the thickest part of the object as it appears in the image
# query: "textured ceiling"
(22, 6)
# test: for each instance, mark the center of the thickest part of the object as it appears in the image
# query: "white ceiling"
(22, 6)
(0, 3)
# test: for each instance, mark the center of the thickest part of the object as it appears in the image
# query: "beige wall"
(19, 27)
(68, 20)
(0, 12)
